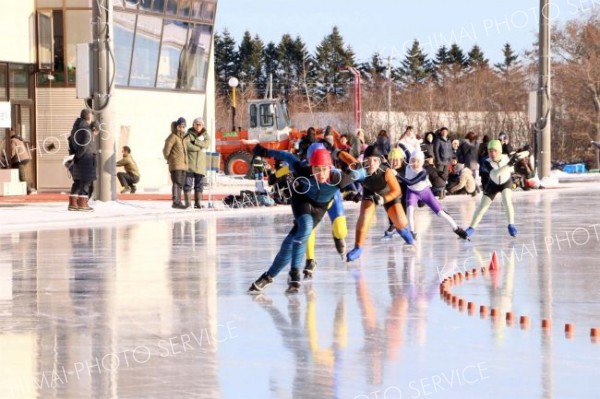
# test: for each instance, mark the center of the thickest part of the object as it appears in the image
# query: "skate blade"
(292, 290)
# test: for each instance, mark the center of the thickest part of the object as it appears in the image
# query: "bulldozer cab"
(268, 120)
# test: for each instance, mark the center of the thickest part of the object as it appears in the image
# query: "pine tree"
(271, 63)
(226, 60)
(251, 58)
(476, 58)
(456, 57)
(332, 57)
(510, 59)
(415, 68)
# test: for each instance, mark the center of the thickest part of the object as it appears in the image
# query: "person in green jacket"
(196, 142)
(131, 176)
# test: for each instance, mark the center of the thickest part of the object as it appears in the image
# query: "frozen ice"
(153, 304)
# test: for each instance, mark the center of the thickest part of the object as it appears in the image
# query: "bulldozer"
(269, 125)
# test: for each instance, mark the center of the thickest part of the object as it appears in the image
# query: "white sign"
(5, 114)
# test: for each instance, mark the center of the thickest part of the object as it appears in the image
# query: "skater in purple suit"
(419, 188)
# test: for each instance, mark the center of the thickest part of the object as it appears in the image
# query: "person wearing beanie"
(499, 167)
(379, 185)
(397, 164)
(419, 188)
(314, 188)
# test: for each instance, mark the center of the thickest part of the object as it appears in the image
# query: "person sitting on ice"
(314, 188)
(500, 167)
(379, 185)
(419, 188)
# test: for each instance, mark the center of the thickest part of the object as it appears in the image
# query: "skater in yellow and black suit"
(379, 183)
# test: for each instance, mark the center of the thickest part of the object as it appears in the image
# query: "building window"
(195, 64)
(145, 51)
(124, 27)
(18, 78)
(3, 85)
(78, 25)
(174, 40)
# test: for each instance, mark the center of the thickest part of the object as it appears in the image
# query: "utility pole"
(542, 125)
(102, 78)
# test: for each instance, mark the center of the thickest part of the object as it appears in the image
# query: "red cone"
(494, 264)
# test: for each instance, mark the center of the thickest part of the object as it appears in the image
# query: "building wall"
(142, 121)
(17, 31)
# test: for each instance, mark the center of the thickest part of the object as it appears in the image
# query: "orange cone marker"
(494, 264)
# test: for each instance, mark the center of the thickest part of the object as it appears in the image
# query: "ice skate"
(389, 233)
(470, 231)
(260, 283)
(293, 282)
(461, 233)
(340, 246)
(512, 230)
(310, 267)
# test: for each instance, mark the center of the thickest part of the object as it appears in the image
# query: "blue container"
(574, 168)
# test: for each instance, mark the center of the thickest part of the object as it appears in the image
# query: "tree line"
(452, 81)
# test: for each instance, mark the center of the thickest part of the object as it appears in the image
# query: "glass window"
(78, 24)
(45, 40)
(196, 9)
(145, 5)
(208, 11)
(184, 8)
(18, 78)
(253, 114)
(172, 7)
(158, 6)
(128, 4)
(145, 51)
(174, 39)
(59, 45)
(124, 26)
(25, 119)
(266, 115)
(3, 87)
(198, 49)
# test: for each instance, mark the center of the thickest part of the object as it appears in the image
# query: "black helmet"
(373, 151)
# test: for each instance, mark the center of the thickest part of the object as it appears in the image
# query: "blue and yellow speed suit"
(310, 200)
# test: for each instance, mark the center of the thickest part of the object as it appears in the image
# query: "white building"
(163, 51)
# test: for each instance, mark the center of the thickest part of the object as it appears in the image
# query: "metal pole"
(543, 125)
(102, 76)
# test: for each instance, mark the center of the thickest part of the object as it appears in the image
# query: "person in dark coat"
(83, 149)
(467, 152)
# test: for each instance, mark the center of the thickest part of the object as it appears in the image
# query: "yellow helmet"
(396, 153)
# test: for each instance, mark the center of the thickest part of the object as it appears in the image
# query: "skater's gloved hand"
(260, 151)
(356, 197)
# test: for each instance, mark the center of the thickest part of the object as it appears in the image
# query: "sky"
(390, 26)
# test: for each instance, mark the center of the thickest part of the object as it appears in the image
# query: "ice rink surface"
(158, 308)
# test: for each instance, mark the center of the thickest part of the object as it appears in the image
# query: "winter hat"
(372, 151)
(396, 153)
(320, 157)
(84, 113)
(181, 121)
(496, 145)
(417, 155)
(313, 147)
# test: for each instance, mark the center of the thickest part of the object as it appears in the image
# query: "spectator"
(442, 152)
(311, 137)
(482, 155)
(196, 142)
(409, 139)
(467, 152)
(507, 148)
(383, 143)
(427, 144)
(175, 153)
(131, 176)
(344, 146)
(19, 159)
(438, 183)
(454, 145)
(83, 149)
(465, 184)
(356, 143)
